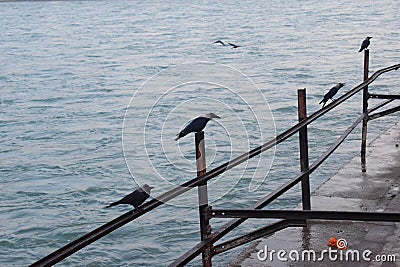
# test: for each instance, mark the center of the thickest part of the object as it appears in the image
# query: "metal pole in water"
(364, 110)
(303, 142)
(205, 228)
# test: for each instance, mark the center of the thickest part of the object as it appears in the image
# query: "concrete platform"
(349, 190)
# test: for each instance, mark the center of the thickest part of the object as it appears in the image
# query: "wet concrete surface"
(376, 190)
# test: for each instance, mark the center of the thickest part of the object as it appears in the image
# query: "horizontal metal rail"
(306, 215)
(262, 232)
(381, 96)
(105, 229)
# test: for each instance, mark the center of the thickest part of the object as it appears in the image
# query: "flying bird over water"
(136, 198)
(196, 125)
(331, 93)
(365, 44)
(234, 46)
(220, 42)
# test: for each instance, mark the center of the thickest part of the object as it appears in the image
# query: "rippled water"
(69, 71)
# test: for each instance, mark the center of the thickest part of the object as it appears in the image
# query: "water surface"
(70, 68)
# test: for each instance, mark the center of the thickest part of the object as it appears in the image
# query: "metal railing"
(207, 246)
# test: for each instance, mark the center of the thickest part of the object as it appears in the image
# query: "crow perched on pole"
(365, 44)
(196, 125)
(331, 93)
(136, 198)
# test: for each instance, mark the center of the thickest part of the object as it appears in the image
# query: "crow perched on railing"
(331, 93)
(136, 198)
(197, 125)
(365, 44)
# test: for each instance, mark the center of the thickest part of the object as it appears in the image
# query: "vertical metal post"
(364, 110)
(303, 142)
(205, 228)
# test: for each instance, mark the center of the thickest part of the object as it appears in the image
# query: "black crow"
(234, 46)
(331, 93)
(219, 42)
(196, 125)
(136, 198)
(365, 44)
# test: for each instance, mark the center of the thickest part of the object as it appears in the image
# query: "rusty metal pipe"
(365, 111)
(381, 96)
(383, 113)
(307, 215)
(203, 197)
(303, 144)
